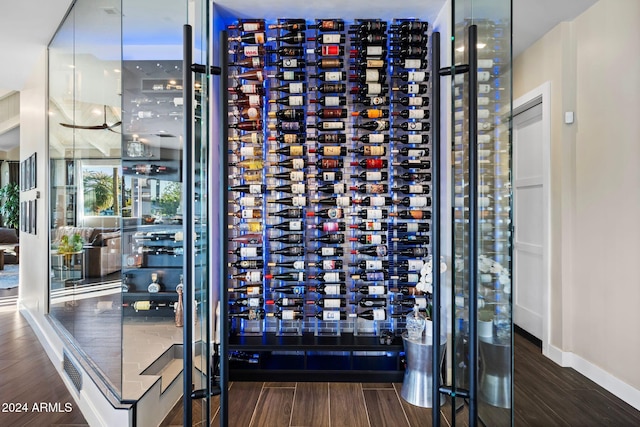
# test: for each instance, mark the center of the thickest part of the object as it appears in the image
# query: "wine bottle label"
(298, 265)
(415, 101)
(421, 302)
(300, 276)
(289, 63)
(414, 264)
(334, 213)
(418, 201)
(372, 226)
(412, 63)
(296, 176)
(374, 276)
(483, 113)
(253, 302)
(297, 163)
(484, 76)
(376, 138)
(331, 50)
(248, 251)
(288, 75)
(333, 76)
(416, 214)
(329, 264)
(373, 150)
(484, 89)
(330, 38)
(374, 88)
(416, 76)
(254, 226)
(416, 114)
(414, 139)
(416, 153)
(412, 227)
(253, 276)
(339, 188)
(253, 290)
(249, 89)
(246, 214)
(331, 150)
(331, 101)
(332, 289)
(298, 188)
(379, 314)
(376, 290)
(343, 201)
(374, 164)
(247, 151)
(296, 100)
(250, 201)
(255, 101)
(413, 278)
(251, 50)
(329, 163)
(373, 239)
(251, 26)
(332, 126)
(374, 51)
(255, 189)
(416, 189)
(377, 201)
(373, 176)
(295, 225)
(331, 276)
(373, 213)
(299, 201)
(290, 138)
(329, 315)
(327, 251)
(378, 100)
(485, 63)
(331, 302)
(287, 314)
(375, 63)
(373, 265)
(328, 176)
(414, 126)
(413, 88)
(372, 75)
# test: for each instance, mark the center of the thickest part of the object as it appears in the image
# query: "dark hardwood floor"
(28, 378)
(545, 395)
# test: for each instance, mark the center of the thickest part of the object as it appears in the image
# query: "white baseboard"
(596, 374)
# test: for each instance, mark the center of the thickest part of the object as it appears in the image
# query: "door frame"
(541, 94)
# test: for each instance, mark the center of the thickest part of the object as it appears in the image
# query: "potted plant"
(70, 245)
(10, 205)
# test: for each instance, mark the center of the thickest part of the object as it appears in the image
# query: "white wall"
(593, 68)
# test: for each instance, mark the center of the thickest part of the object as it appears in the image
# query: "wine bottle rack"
(329, 173)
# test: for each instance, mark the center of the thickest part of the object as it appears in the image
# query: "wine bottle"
(343, 201)
(329, 264)
(369, 26)
(368, 75)
(287, 302)
(329, 289)
(327, 126)
(371, 164)
(328, 63)
(406, 277)
(412, 152)
(371, 290)
(247, 251)
(413, 126)
(339, 188)
(329, 226)
(413, 189)
(331, 213)
(247, 264)
(411, 27)
(294, 163)
(290, 188)
(248, 25)
(247, 289)
(329, 113)
(411, 264)
(331, 315)
(293, 176)
(330, 76)
(287, 226)
(288, 213)
(248, 151)
(330, 302)
(328, 39)
(412, 76)
(329, 251)
(292, 51)
(370, 188)
(372, 264)
(288, 138)
(250, 314)
(290, 63)
(330, 150)
(421, 302)
(411, 63)
(329, 25)
(248, 113)
(253, 227)
(244, 101)
(290, 38)
(298, 265)
(413, 164)
(417, 114)
(412, 101)
(251, 125)
(372, 302)
(330, 176)
(412, 214)
(412, 139)
(330, 138)
(249, 51)
(329, 276)
(412, 88)
(412, 240)
(370, 150)
(330, 88)
(290, 25)
(252, 62)
(288, 114)
(249, 188)
(290, 289)
(249, 201)
(248, 176)
(146, 169)
(375, 125)
(373, 314)
(371, 276)
(418, 39)
(327, 50)
(247, 302)
(149, 305)
(370, 239)
(412, 227)
(371, 213)
(330, 101)
(255, 75)
(291, 100)
(289, 251)
(414, 251)
(372, 138)
(377, 250)
(404, 52)
(371, 176)
(290, 201)
(298, 276)
(370, 89)
(374, 201)
(248, 276)
(246, 90)
(414, 201)
(329, 238)
(370, 226)
(371, 100)
(371, 114)
(295, 87)
(289, 238)
(329, 163)
(407, 290)
(287, 315)
(291, 150)
(368, 50)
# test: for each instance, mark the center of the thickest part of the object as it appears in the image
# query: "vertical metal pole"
(473, 223)
(187, 190)
(435, 229)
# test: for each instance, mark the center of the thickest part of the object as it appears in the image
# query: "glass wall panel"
(84, 146)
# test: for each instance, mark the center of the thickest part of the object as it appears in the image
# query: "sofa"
(10, 244)
(102, 248)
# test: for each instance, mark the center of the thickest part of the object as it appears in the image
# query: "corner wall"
(595, 198)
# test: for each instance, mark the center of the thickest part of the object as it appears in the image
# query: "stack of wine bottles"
(329, 208)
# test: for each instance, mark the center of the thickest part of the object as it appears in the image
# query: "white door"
(529, 204)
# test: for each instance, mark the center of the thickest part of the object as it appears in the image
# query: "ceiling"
(27, 26)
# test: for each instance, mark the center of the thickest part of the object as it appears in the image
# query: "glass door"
(481, 238)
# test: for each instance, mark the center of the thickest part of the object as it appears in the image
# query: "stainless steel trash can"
(418, 377)
(495, 374)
